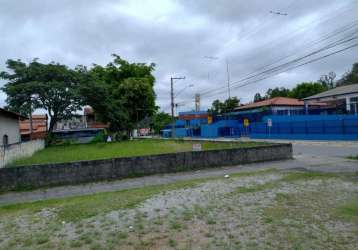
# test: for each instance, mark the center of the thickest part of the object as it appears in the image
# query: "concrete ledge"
(37, 176)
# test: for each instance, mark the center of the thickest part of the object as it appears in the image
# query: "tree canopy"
(52, 86)
(121, 93)
(229, 105)
(351, 77)
(301, 91)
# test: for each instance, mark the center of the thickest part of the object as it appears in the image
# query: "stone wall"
(37, 176)
(16, 151)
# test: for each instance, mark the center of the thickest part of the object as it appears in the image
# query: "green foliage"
(259, 98)
(278, 92)
(301, 91)
(307, 89)
(100, 137)
(349, 210)
(351, 77)
(121, 93)
(159, 120)
(229, 105)
(53, 87)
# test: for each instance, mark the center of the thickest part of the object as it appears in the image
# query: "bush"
(100, 137)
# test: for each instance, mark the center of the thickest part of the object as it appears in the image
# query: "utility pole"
(172, 101)
(228, 78)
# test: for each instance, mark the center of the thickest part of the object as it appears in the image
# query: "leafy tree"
(351, 77)
(121, 93)
(216, 107)
(230, 104)
(227, 106)
(53, 87)
(277, 92)
(159, 120)
(258, 97)
(307, 89)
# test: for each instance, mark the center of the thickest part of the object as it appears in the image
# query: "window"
(5, 140)
(354, 99)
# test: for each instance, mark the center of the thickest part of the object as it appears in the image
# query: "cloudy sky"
(187, 38)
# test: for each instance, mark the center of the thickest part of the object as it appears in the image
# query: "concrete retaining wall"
(37, 176)
(16, 151)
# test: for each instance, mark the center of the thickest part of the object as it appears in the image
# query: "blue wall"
(304, 127)
(307, 127)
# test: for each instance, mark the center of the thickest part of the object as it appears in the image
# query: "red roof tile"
(277, 101)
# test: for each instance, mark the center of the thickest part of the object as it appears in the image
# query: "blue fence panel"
(351, 126)
(312, 127)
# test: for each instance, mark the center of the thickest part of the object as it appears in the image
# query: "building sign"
(269, 122)
(246, 122)
(210, 119)
(197, 147)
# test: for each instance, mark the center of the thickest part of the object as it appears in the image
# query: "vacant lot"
(97, 151)
(261, 210)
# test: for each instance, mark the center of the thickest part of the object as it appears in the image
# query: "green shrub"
(100, 137)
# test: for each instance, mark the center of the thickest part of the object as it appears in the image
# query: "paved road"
(314, 156)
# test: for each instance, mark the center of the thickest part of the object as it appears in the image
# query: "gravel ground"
(270, 210)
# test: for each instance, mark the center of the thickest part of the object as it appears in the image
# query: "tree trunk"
(52, 124)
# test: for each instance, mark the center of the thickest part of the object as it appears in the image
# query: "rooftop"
(11, 114)
(343, 90)
(277, 101)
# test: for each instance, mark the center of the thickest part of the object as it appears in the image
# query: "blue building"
(332, 115)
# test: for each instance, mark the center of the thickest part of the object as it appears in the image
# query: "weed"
(172, 243)
(348, 210)
(174, 224)
(41, 239)
(122, 235)
(75, 244)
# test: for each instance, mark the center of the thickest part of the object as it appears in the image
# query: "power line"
(297, 66)
(255, 74)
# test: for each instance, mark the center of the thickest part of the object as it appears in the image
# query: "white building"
(345, 96)
(9, 127)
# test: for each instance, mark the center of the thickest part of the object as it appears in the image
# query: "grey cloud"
(244, 32)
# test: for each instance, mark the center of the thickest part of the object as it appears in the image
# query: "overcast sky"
(183, 37)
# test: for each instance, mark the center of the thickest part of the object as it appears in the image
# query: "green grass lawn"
(70, 153)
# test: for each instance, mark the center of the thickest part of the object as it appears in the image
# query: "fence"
(13, 152)
(315, 128)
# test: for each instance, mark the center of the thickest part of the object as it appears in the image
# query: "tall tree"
(53, 87)
(121, 93)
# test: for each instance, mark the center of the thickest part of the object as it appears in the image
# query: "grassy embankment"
(81, 152)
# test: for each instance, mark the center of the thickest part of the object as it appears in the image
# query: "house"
(9, 127)
(39, 128)
(274, 106)
(344, 99)
(79, 122)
